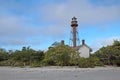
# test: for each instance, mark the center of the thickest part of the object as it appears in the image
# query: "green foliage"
(90, 62)
(116, 43)
(24, 57)
(109, 55)
(55, 44)
(5, 63)
(3, 55)
(61, 55)
(96, 61)
(83, 63)
(36, 64)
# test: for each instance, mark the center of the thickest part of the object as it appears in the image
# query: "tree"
(3, 54)
(116, 43)
(62, 55)
(26, 56)
(55, 44)
(109, 55)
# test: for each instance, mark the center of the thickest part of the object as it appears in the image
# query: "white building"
(83, 50)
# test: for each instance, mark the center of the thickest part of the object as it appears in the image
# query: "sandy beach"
(60, 73)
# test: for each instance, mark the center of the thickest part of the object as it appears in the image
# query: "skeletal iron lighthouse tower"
(74, 33)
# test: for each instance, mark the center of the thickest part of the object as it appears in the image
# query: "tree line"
(24, 57)
(60, 55)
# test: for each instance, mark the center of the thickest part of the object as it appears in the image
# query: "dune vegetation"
(60, 55)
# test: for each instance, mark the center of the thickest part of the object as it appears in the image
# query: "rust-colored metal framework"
(74, 30)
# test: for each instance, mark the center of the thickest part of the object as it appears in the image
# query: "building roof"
(78, 47)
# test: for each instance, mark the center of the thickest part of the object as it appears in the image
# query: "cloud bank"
(86, 11)
(29, 22)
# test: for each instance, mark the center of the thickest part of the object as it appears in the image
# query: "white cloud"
(19, 29)
(84, 10)
(54, 31)
(17, 26)
(98, 43)
(14, 31)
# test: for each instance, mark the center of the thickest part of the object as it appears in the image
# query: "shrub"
(5, 63)
(90, 62)
(61, 55)
(36, 64)
(96, 61)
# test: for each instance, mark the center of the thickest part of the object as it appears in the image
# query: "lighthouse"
(83, 49)
(74, 26)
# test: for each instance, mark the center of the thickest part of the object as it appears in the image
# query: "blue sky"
(39, 23)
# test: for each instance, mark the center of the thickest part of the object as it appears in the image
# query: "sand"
(60, 73)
